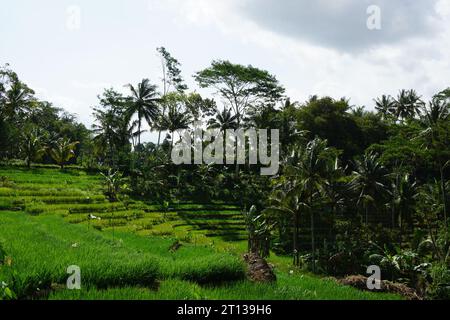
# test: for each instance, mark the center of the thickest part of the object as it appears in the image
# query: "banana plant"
(258, 232)
(113, 182)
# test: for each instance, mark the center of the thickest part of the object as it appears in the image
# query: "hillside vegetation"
(131, 259)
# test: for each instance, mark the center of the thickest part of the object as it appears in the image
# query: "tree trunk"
(296, 251)
(159, 137)
(139, 130)
(367, 215)
(313, 243)
(367, 221)
(171, 143)
(237, 165)
(393, 215)
(159, 131)
(444, 193)
(400, 224)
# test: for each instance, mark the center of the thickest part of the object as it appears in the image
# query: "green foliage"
(111, 142)
(240, 85)
(330, 120)
(143, 102)
(440, 287)
(171, 72)
(349, 178)
(32, 144)
(63, 151)
(258, 230)
(288, 287)
(114, 183)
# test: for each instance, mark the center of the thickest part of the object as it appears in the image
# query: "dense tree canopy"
(355, 185)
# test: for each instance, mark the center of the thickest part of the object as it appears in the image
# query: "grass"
(41, 249)
(125, 254)
(286, 288)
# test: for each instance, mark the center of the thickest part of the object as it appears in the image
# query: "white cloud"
(408, 57)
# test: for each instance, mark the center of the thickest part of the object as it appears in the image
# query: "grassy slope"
(132, 250)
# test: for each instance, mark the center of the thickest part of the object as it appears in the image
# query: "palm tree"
(385, 106)
(109, 131)
(438, 112)
(144, 103)
(104, 128)
(405, 192)
(32, 145)
(17, 100)
(223, 121)
(63, 151)
(174, 120)
(369, 182)
(289, 203)
(315, 165)
(311, 165)
(335, 191)
(133, 133)
(408, 104)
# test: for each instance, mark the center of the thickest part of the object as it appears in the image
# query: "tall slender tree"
(408, 105)
(369, 182)
(144, 103)
(171, 79)
(385, 106)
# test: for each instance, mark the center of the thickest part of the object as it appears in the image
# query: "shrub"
(440, 286)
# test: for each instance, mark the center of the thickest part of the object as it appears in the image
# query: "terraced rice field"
(77, 197)
(50, 219)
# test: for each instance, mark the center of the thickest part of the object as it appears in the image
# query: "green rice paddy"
(52, 219)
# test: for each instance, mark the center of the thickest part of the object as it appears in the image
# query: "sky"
(69, 51)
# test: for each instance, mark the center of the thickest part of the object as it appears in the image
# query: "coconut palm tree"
(314, 163)
(408, 104)
(334, 191)
(385, 106)
(369, 181)
(310, 165)
(63, 151)
(288, 201)
(18, 101)
(405, 191)
(144, 103)
(223, 121)
(108, 131)
(174, 120)
(437, 112)
(32, 145)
